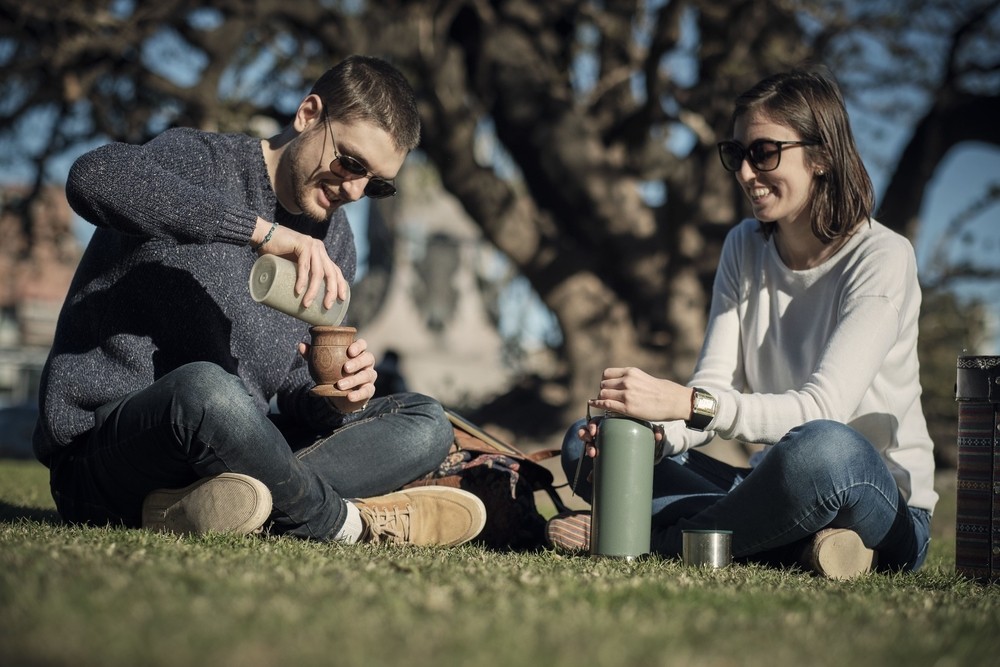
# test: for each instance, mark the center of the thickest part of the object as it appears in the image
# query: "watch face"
(703, 407)
(704, 403)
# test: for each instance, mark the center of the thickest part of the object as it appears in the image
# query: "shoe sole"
(840, 554)
(224, 503)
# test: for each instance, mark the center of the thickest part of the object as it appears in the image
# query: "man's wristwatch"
(703, 409)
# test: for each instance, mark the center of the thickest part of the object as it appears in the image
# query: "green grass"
(109, 597)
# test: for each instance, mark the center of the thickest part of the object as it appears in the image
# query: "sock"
(350, 532)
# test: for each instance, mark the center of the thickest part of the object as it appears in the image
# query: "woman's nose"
(746, 172)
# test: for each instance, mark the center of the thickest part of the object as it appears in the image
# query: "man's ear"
(309, 113)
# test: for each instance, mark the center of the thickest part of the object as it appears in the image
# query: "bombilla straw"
(579, 463)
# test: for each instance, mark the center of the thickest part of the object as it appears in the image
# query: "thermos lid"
(262, 277)
(611, 414)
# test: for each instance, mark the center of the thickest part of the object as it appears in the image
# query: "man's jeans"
(822, 474)
(199, 421)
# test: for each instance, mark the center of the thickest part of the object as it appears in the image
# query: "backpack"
(504, 478)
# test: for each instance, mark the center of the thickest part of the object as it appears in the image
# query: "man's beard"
(303, 189)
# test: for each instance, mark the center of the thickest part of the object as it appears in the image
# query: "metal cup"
(707, 548)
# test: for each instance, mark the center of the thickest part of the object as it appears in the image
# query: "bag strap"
(470, 437)
(473, 443)
(464, 427)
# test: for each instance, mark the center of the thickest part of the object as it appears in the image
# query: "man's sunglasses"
(377, 187)
(763, 155)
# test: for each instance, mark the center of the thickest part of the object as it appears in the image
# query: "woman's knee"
(824, 445)
(576, 466)
(572, 445)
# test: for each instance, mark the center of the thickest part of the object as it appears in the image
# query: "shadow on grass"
(14, 513)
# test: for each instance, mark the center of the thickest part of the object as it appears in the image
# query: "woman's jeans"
(199, 421)
(822, 474)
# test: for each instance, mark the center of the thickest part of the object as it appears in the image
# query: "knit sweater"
(164, 281)
(838, 341)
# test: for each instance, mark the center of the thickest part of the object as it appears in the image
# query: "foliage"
(579, 135)
(102, 596)
(947, 329)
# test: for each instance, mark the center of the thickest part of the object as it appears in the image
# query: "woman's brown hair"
(809, 102)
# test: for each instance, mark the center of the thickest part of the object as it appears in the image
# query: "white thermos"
(272, 282)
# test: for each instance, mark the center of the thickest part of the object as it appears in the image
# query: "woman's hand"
(635, 393)
(588, 434)
(359, 377)
(314, 268)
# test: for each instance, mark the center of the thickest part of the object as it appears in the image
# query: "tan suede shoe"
(424, 516)
(838, 553)
(225, 503)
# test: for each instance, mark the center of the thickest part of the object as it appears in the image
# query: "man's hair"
(363, 88)
(809, 102)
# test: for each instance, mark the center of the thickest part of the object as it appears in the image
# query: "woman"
(810, 349)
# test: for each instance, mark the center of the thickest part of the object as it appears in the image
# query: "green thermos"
(622, 504)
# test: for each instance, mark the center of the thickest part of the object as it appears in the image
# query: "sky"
(961, 179)
(965, 173)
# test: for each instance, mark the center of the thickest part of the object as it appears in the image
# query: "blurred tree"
(948, 328)
(579, 134)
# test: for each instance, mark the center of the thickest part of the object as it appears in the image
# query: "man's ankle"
(353, 526)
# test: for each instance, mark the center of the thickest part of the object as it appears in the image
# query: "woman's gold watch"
(703, 409)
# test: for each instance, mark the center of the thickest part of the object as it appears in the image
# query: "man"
(155, 397)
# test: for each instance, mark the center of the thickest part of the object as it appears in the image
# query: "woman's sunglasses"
(377, 187)
(763, 155)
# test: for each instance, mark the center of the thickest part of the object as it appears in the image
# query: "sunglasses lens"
(731, 154)
(378, 188)
(352, 166)
(764, 155)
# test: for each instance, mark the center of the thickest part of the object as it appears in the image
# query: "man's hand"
(359, 377)
(314, 268)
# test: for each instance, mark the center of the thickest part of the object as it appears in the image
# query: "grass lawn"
(102, 597)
